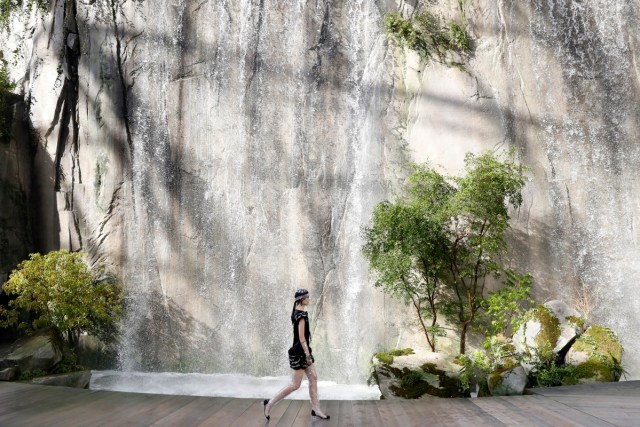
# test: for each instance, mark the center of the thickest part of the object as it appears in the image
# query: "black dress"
(297, 358)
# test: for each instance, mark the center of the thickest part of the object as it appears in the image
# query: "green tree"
(63, 296)
(476, 221)
(405, 246)
(436, 247)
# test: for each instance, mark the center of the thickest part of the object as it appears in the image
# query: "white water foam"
(223, 385)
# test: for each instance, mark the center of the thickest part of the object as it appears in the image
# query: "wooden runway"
(25, 405)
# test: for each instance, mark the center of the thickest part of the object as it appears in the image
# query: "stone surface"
(16, 240)
(567, 326)
(595, 355)
(34, 353)
(508, 383)
(440, 375)
(73, 379)
(9, 374)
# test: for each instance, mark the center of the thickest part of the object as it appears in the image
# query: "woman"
(300, 358)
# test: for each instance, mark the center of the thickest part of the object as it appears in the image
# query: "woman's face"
(304, 301)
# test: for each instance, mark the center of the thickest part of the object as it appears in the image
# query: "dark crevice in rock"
(120, 62)
(254, 64)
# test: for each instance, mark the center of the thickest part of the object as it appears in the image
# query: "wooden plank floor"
(25, 405)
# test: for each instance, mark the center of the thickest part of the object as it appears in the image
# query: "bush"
(62, 296)
(426, 35)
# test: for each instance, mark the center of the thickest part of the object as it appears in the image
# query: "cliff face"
(218, 155)
(16, 238)
(560, 80)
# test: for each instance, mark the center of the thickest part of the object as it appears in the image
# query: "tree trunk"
(463, 338)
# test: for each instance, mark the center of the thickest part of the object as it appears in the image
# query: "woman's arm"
(303, 341)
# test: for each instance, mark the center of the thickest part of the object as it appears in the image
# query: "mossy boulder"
(413, 376)
(549, 331)
(596, 355)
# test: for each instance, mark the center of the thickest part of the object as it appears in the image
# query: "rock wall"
(560, 80)
(218, 155)
(16, 238)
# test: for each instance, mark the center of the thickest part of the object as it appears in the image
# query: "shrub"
(62, 296)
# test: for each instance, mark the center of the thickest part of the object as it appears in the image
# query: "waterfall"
(257, 153)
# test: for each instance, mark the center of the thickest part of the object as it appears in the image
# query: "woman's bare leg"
(296, 380)
(313, 390)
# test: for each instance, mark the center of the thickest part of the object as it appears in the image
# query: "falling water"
(257, 151)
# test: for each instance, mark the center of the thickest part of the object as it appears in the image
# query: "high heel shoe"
(264, 403)
(313, 414)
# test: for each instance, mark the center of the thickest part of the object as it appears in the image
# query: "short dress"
(297, 358)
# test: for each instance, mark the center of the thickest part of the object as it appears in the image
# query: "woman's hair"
(299, 296)
(293, 311)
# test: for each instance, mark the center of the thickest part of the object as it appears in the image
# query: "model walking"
(300, 358)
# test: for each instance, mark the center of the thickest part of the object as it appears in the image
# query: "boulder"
(552, 326)
(596, 355)
(9, 374)
(34, 353)
(78, 379)
(509, 382)
(417, 376)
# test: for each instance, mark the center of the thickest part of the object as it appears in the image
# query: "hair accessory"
(301, 294)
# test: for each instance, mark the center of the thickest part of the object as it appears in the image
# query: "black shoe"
(313, 414)
(264, 403)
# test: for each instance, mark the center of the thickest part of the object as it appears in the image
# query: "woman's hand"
(309, 359)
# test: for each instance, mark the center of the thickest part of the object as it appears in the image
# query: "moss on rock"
(596, 370)
(549, 329)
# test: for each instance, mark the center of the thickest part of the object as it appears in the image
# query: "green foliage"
(435, 247)
(61, 295)
(506, 307)
(578, 322)
(387, 356)
(428, 380)
(69, 363)
(7, 7)
(384, 357)
(549, 329)
(401, 352)
(553, 376)
(474, 372)
(29, 375)
(425, 34)
(412, 379)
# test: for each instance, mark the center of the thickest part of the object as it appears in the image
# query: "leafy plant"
(427, 35)
(553, 375)
(62, 296)
(506, 307)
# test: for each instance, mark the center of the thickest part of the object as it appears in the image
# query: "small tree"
(407, 248)
(476, 221)
(435, 247)
(62, 296)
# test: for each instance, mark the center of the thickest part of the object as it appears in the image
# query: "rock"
(553, 327)
(416, 376)
(596, 355)
(79, 379)
(509, 382)
(35, 353)
(9, 374)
